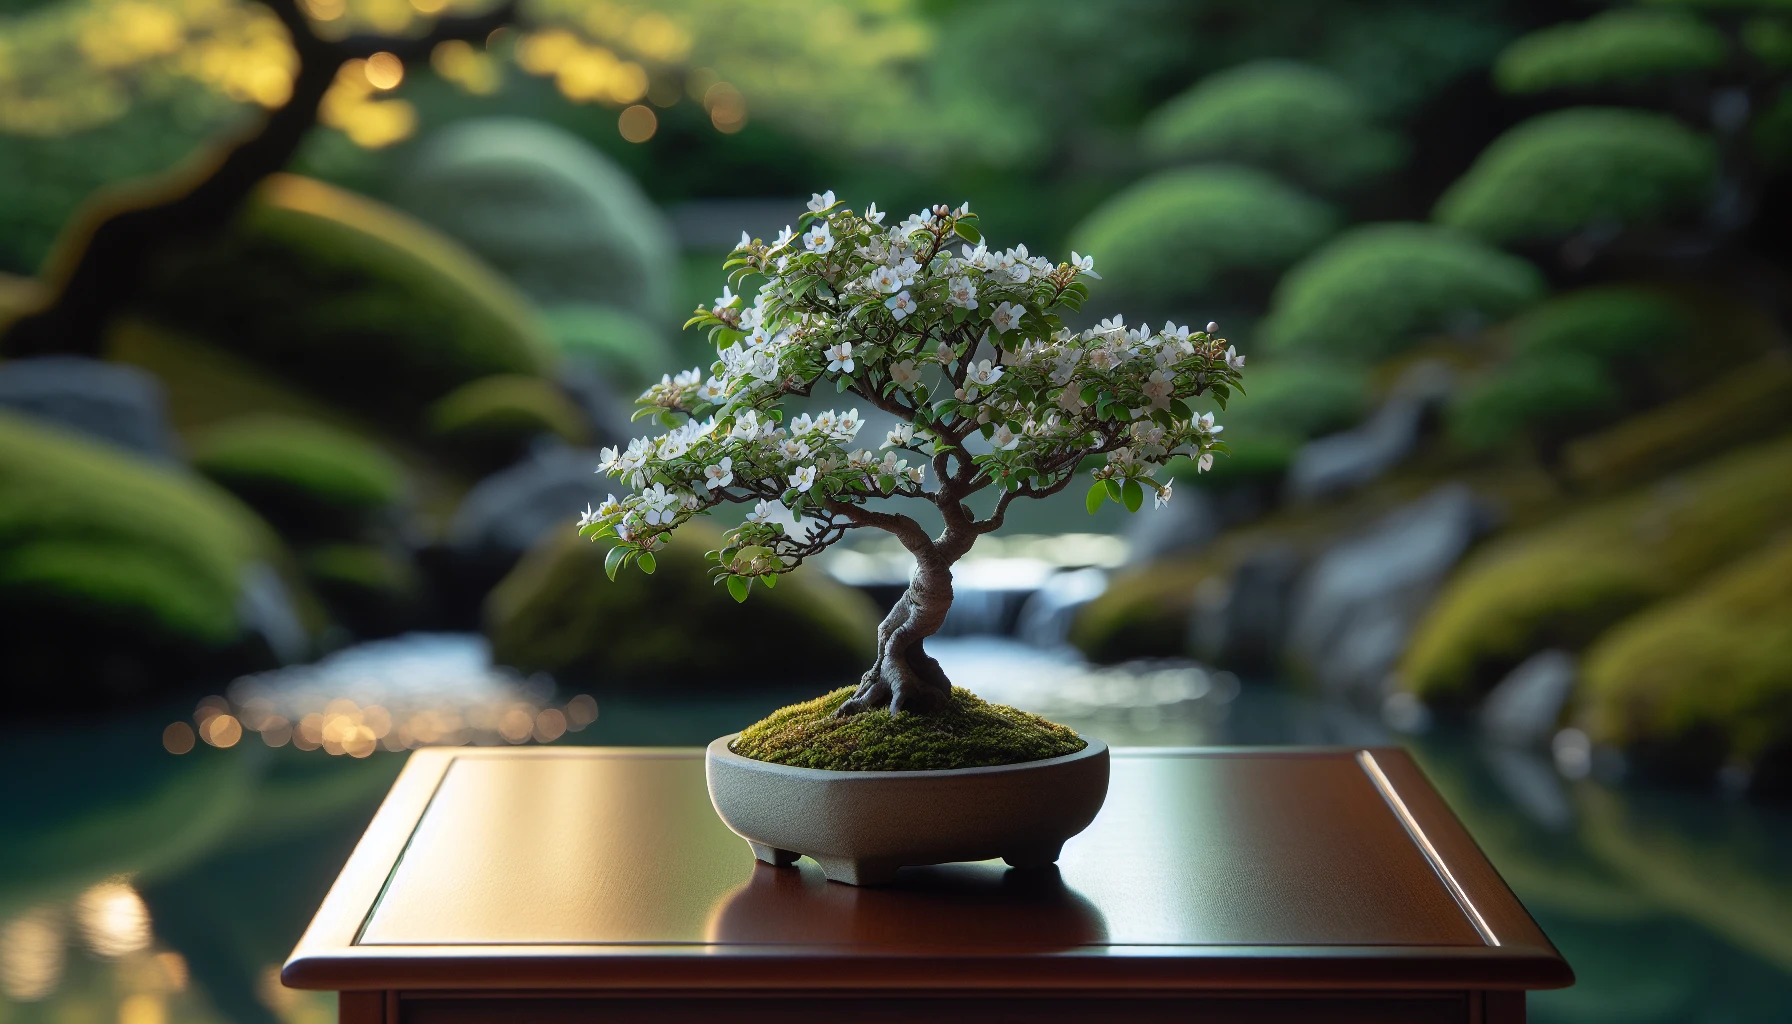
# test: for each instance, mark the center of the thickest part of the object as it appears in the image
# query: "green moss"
(969, 733)
(301, 474)
(1304, 398)
(1143, 613)
(1540, 395)
(556, 612)
(1201, 233)
(352, 299)
(1376, 289)
(493, 419)
(1613, 47)
(624, 347)
(1283, 116)
(1557, 173)
(1608, 324)
(1565, 583)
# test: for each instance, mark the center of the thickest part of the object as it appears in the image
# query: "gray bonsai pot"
(861, 826)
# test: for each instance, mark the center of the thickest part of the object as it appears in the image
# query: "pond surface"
(142, 887)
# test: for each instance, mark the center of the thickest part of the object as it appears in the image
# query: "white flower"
(978, 257)
(802, 425)
(848, 426)
(1065, 366)
(891, 466)
(1205, 424)
(824, 423)
(873, 215)
(900, 304)
(746, 426)
(590, 515)
(1171, 332)
(721, 474)
(917, 475)
(819, 201)
(917, 221)
(793, 450)
(803, 478)
(688, 378)
(1014, 265)
(840, 358)
(1158, 388)
(818, 238)
(1004, 439)
(659, 505)
(899, 436)
(1114, 325)
(885, 279)
(713, 390)
(905, 375)
(783, 238)
(962, 292)
(1071, 401)
(745, 241)
(763, 366)
(1233, 359)
(906, 268)
(983, 374)
(1204, 463)
(1163, 496)
(1006, 317)
(1084, 264)
(765, 512)
(728, 298)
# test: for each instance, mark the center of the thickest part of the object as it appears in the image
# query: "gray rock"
(1523, 709)
(507, 512)
(119, 404)
(1345, 461)
(1356, 606)
(265, 607)
(1240, 623)
(605, 412)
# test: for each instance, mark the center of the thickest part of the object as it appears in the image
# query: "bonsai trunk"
(905, 677)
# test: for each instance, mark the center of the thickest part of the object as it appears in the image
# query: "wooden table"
(1260, 885)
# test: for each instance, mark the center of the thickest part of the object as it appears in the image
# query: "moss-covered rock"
(1143, 613)
(554, 214)
(112, 570)
(1565, 583)
(1201, 233)
(1622, 46)
(1610, 324)
(557, 613)
(492, 421)
(307, 477)
(1559, 172)
(355, 300)
(1705, 677)
(1376, 289)
(969, 733)
(1544, 397)
(1294, 119)
(623, 347)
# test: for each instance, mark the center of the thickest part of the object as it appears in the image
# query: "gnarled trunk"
(905, 677)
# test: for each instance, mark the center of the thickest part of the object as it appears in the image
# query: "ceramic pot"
(861, 826)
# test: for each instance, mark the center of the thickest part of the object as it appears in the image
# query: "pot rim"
(718, 750)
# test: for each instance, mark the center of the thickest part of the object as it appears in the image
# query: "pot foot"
(771, 855)
(857, 872)
(1037, 857)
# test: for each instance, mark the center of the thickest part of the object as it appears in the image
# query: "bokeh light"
(113, 919)
(637, 123)
(31, 954)
(178, 738)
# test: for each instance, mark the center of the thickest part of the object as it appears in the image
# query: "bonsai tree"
(967, 346)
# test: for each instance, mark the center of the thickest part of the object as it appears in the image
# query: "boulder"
(1354, 609)
(507, 512)
(1525, 707)
(1240, 623)
(1347, 460)
(118, 404)
(309, 478)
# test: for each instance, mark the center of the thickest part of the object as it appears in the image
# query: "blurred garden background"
(314, 313)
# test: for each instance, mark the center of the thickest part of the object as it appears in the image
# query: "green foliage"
(1610, 324)
(494, 418)
(305, 475)
(1614, 47)
(556, 216)
(1304, 398)
(1708, 673)
(1546, 393)
(628, 351)
(368, 588)
(556, 613)
(969, 733)
(89, 534)
(1565, 583)
(1290, 118)
(1376, 289)
(355, 300)
(1190, 235)
(1559, 172)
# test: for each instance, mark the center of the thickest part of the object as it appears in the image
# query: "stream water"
(143, 887)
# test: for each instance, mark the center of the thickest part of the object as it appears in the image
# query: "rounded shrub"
(1546, 394)
(1565, 583)
(553, 214)
(1611, 48)
(494, 419)
(556, 613)
(1559, 172)
(1190, 234)
(623, 347)
(1302, 397)
(1294, 119)
(1611, 324)
(1703, 678)
(1375, 289)
(305, 476)
(356, 301)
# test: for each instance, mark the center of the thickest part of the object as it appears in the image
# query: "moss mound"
(1613, 47)
(1706, 677)
(492, 421)
(306, 476)
(1564, 584)
(1540, 396)
(969, 733)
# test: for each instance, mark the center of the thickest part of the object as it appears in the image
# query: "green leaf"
(1132, 494)
(769, 581)
(1097, 494)
(1180, 409)
(1113, 487)
(645, 560)
(738, 587)
(840, 385)
(968, 232)
(613, 560)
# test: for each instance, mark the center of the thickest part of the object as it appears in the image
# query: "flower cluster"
(964, 344)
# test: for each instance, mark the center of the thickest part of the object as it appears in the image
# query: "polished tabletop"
(600, 868)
